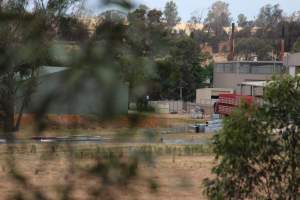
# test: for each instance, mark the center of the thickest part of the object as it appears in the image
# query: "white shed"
(206, 96)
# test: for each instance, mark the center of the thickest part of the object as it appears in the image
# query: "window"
(220, 68)
(230, 68)
(249, 68)
(279, 69)
(262, 69)
(244, 68)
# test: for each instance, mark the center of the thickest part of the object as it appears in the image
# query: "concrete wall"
(232, 80)
(167, 106)
(85, 98)
(292, 61)
(231, 74)
(204, 95)
(292, 70)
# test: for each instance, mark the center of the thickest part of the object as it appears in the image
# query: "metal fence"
(183, 107)
(167, 106)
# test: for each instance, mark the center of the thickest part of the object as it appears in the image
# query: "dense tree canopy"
(250, 47)
(166, 60)
(181, 69)
(296, 47)
(269, 16)
(72, 29)
(171, 14)
(218, 17)
(23, 32)
(269, 28)
(259, 146)
(242, 20)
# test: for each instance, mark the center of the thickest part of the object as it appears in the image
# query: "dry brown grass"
(177, 177)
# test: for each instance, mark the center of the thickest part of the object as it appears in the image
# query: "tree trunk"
(9, 115)
(9, 121)
(28, 92)
(20, 115)
(8, 105)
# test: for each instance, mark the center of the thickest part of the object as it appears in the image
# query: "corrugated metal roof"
(255, 83)
(46, 70)
(43, 70)
(254, 62)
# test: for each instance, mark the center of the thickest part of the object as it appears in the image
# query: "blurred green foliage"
(36, 33)
(258, 148)
(160, 60)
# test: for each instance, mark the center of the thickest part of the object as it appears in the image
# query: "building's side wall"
(204, 95)
(88, 97)
(292, 59)
(201, 94)
(232, 80)
(232, 74)
(292, 71)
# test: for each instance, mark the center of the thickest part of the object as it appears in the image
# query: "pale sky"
(185, 7)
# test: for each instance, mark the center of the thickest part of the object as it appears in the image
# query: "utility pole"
(181, 92)
(230, 57)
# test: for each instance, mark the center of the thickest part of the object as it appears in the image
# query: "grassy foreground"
(164, 171)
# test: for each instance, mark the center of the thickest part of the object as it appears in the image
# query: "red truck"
(228, 102)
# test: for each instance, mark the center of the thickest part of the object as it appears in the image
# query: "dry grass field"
(167, 177)
(53, 171)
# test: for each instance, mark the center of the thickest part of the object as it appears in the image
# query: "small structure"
(207, 96)
(292, 62)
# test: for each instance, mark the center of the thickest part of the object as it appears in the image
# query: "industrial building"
(208, 96)
(292, 62)
(60, 95)
(236, 74)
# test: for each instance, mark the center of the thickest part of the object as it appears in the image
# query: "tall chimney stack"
(231, 54)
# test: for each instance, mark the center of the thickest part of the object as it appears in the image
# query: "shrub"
(259, 148)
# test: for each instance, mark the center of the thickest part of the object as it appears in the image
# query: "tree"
(198, 33)
(196, 18)
(295, 16)
(258, 147)
(22, 33)
(242, 20)
(71, 29)
(143, 7)
(181, 69)
(115, 16)
(269, 17)
(137, 53)
(163, 60)
(218, 17)
(171, 14)
(292, 32)
(296, 46)
(247, 48)
(154, 16)
(272, 23)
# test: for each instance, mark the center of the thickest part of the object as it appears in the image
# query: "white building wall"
(292, 71)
